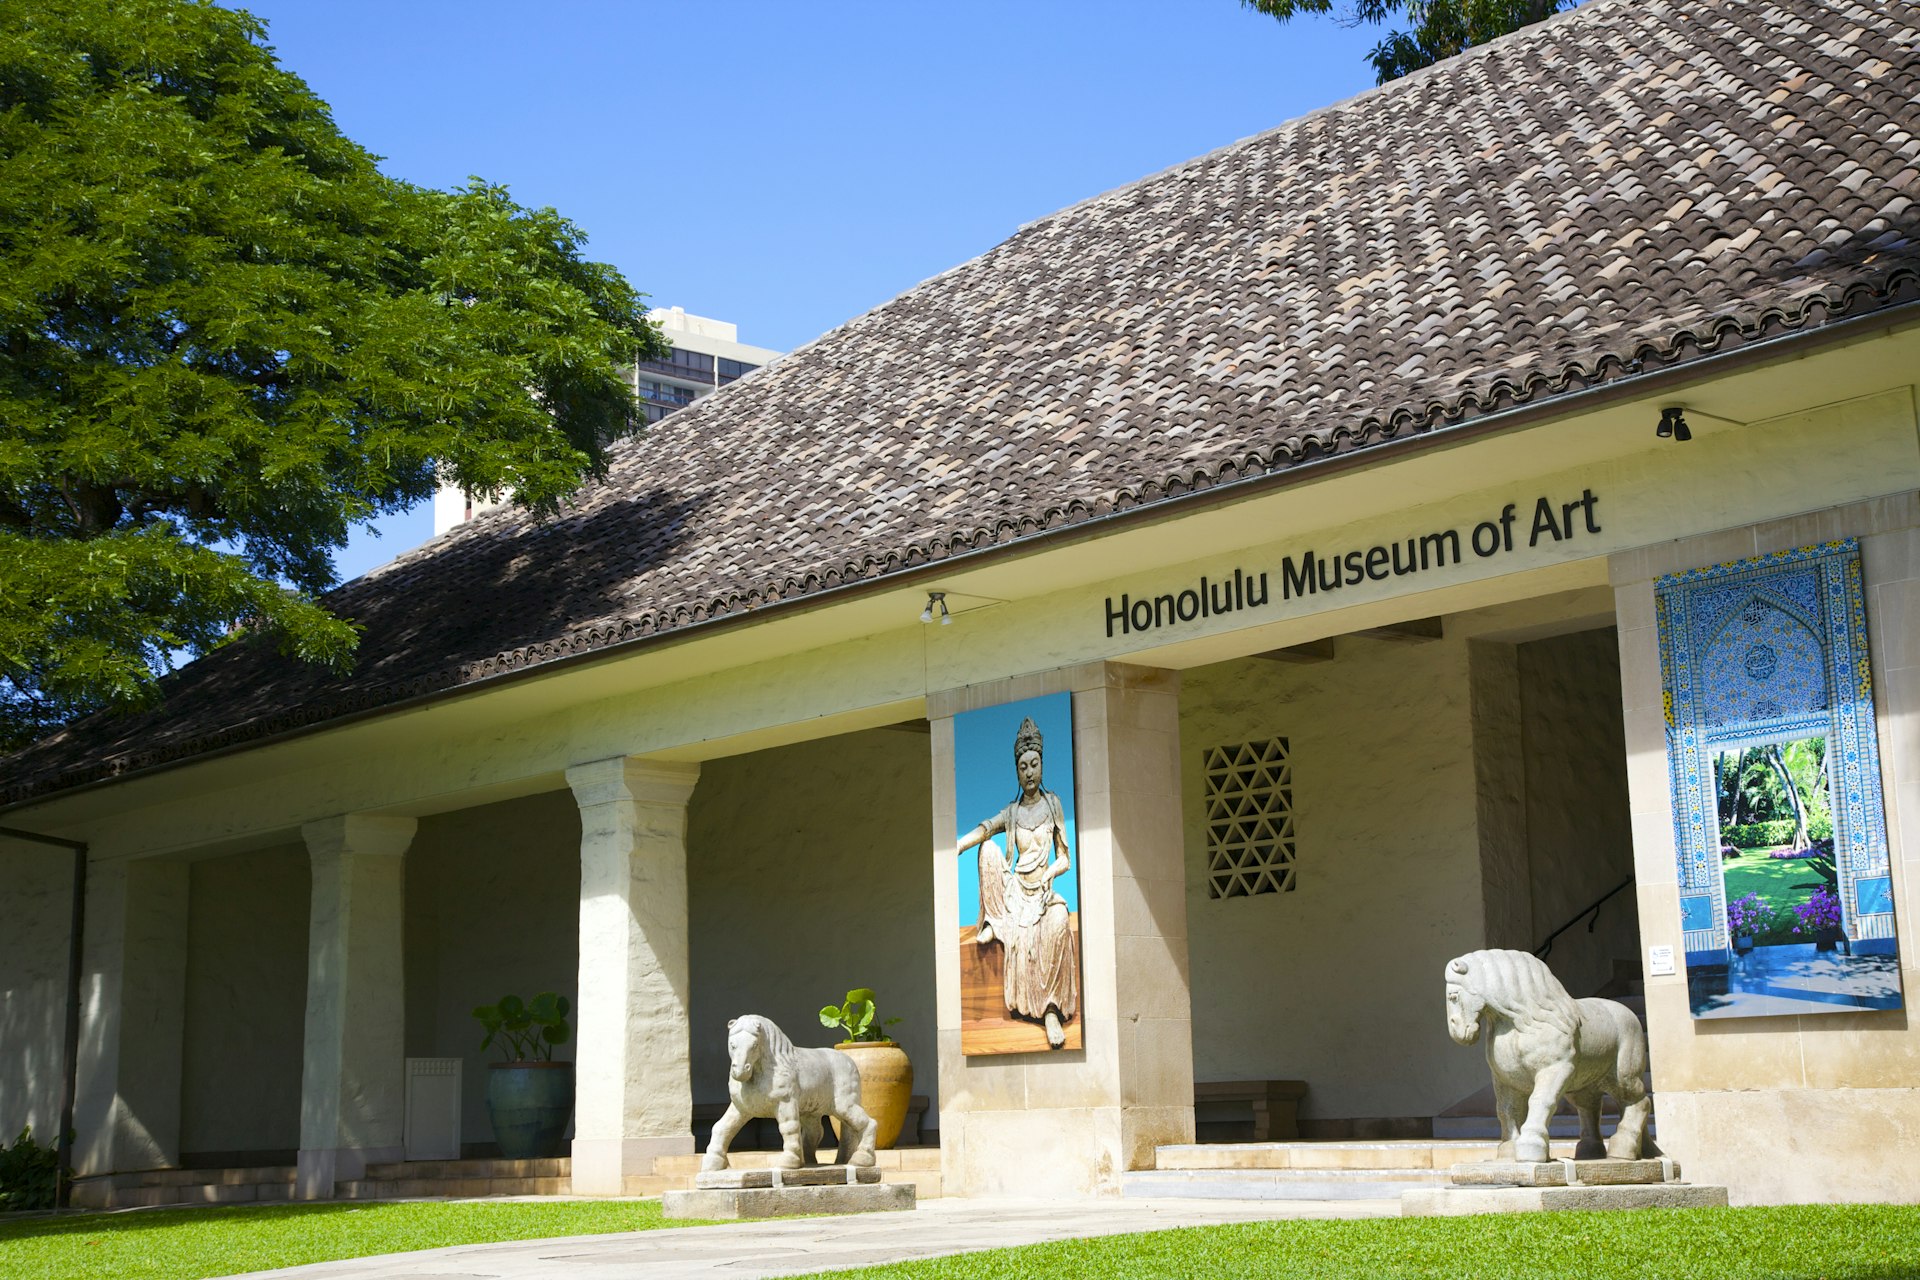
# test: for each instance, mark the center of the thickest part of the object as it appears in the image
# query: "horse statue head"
(1511, 986)
(751, 1041)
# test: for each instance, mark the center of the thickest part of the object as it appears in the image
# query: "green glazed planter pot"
(529, 1104)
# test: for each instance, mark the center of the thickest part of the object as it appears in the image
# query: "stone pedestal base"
(1458, 1201)
(1565, 1173)
(1512, 1186)
(779, 1193)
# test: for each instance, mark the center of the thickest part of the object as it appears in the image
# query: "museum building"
(1439, 513)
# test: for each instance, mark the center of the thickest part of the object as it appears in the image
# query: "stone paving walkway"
(795, 1246)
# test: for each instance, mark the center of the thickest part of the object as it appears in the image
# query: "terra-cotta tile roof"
(1634, 184)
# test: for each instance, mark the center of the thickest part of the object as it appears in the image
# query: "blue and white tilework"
(1767, 650)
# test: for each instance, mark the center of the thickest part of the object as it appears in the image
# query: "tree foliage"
(226, 338)
(1776, 783)
(1435, 29)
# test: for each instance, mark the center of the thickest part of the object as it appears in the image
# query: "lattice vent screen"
(1249, 819)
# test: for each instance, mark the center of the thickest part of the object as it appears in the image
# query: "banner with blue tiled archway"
(1786, 897)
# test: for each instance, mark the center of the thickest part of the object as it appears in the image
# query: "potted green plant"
(886, 1075)
(529, 1095)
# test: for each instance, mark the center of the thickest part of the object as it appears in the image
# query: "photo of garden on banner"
(1786, 895)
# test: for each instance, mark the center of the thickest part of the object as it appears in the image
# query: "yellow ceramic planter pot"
(886, 1084)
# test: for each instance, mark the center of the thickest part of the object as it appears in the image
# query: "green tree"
(226, 338)
(1435, 29)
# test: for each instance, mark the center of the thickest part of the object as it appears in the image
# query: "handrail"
(1590, 913)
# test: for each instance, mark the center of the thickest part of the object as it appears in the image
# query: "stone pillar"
(133, 1016)
(634, 1099)
(352, 1087)
(1069, 1122)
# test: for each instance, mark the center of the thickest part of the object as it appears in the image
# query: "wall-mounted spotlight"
(937, 600)
(1673, 424)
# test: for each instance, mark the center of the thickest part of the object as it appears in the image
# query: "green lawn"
(1773, 879)
(191, 1244)
(1820, 1242)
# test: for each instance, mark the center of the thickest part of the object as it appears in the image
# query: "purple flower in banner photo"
(1749, 915)
(1820, 911)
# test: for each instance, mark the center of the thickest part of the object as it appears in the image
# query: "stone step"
(1487, 1127)
(651, 1184)
(449, 1188)
(1278, 1184)
(280, 1173)
(921, 1159)
(557, 1167)
(146, 1190)
(1408, 1154)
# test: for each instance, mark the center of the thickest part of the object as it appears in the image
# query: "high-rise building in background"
(705, 355)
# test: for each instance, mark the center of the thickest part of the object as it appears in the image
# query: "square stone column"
(352, 1086)
(1070, 1122)
(132, 1016)
(634, 1099)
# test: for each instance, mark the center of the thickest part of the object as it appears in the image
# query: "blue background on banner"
(984, 781)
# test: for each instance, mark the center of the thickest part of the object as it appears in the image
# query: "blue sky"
(787, 167)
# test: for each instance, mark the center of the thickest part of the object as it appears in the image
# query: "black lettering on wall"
(1543, 522)
(1439, 543)
(1296, 580)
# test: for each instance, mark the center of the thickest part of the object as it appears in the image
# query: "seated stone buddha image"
(1019, 907)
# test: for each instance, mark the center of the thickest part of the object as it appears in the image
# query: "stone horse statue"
(1543, 1045)
(771, 1076)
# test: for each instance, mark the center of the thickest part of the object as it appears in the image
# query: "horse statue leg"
(1630, 1140)
(724, 1130)
(1531, 1147)
(1508, 1108)
(792, 1136)
(1629, 1087)
(809, 1140)
(858, 1132)
(1587, 1103)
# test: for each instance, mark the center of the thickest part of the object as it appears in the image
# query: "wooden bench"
(1275, 1105)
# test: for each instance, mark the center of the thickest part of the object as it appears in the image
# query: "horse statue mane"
(1516, 985)
(1543, 1045)
(774, 1045)
(769, 1075)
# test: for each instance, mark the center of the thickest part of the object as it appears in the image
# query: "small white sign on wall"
(1660, 962)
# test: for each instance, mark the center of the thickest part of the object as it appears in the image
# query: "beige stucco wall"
(1069, 1122)
(492, 908)
(1816, 1108)
(807, 875)
(36, 901)
(1338, 982)
(245, 1002)
(1579, 833)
